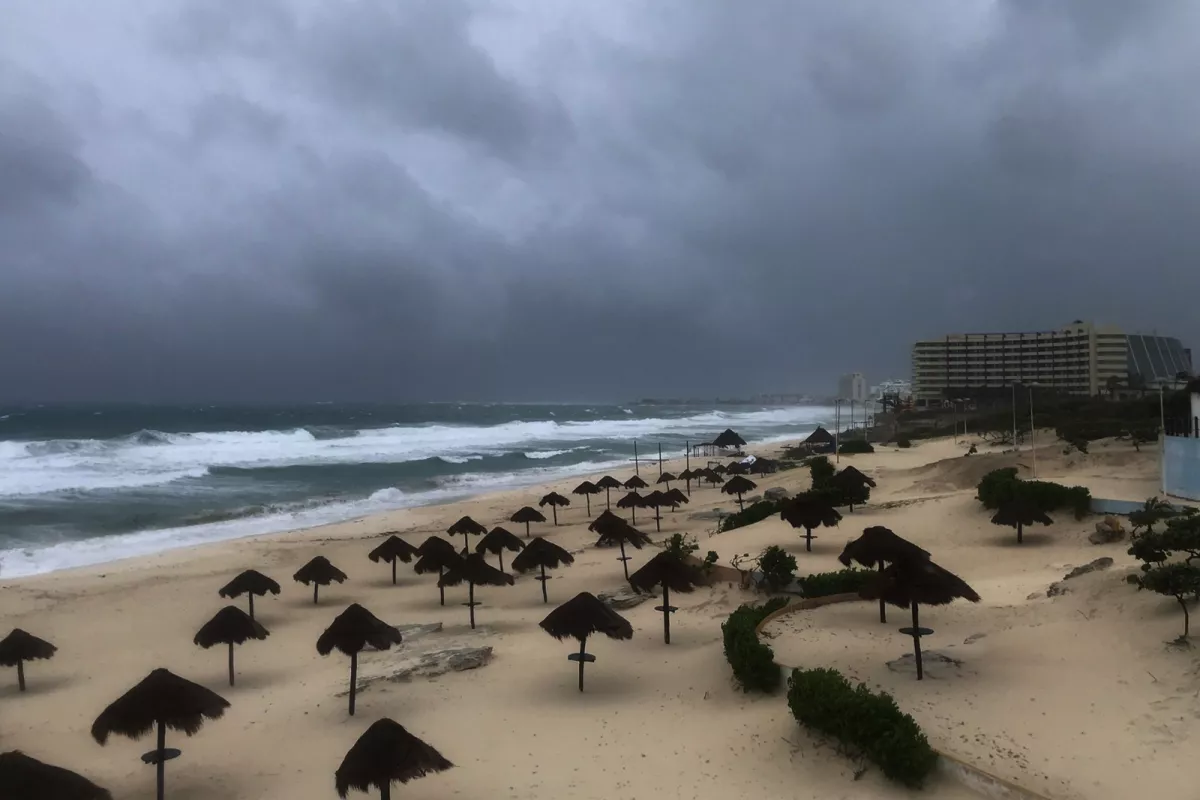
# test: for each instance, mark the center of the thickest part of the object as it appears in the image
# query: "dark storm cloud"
(305, 199)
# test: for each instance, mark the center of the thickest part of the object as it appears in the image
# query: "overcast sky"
(594, 199)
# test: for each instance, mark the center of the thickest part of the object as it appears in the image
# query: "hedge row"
(753, 662)
(872, 724)
(750, 515)
(1002, 485)
(843, 581)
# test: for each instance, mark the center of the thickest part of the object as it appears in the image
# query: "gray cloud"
(307, 200)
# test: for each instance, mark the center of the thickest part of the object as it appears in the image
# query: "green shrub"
(855, 446)
(904, 443)
(752, 661)
(1002, 485)
(822, 471)
(750, 515)
(823, 584)
(997, 487)
(777, 566)
(872, 724)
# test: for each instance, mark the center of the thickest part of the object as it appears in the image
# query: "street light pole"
(1032, 435)
(837, 430)
(1014, 401)
(1162, 440)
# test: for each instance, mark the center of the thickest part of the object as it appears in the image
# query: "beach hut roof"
(584, 615)
(384, 755)
(161, 697)
(466, 525)
(608, 482)
(319, 571)
(918, 580)
(666, 477)
(499, 539)
(230, 625)
(587, 487)
(819, 436)
(1020, 511)
(354, 629)
(728, 439)
(554, 499)
(665, 569)
(393, 548)
(474, 569)
(541, 553)
(24, 777)
(527, 514)
(854, 476)
(251, 581)
(739, 485)
(809, 510)
(880, 545)
(21, 646)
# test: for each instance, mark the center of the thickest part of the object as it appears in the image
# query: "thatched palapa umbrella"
(656, 500)
(230, 626)
(809, 510)
(384, 755)
(854, 475)
(820, 438)
(633, 501)
(587, 489)
(476, 572)
(580, 617)
(763, 466)
(497, 541)
(19, 647)
(1019, 512)
(392, 550)
(911, 583)
(249, 583)
(26, 778)
(666, 478)
(162, 700)
(669, 571)
(319, 572)
(615, 531)
(542, 554)
(713, 476)
(554, 500)
(719, 469)
(676, 498)
(467, 527)
(739, 485)
(635, 483)
(607, 483)
(737, 468)
(354, 629)
(729, 439)
(527, 514)
(876, 548)
(437, 555)
(687, 476)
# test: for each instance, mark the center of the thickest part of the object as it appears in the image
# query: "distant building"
(1082, 358)
(853, 386)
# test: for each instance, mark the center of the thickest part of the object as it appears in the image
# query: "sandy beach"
(1075, 696)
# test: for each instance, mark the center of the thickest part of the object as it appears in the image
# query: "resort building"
(1082, 358)
(853, 387)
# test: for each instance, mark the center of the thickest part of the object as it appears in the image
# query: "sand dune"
(1058, 694)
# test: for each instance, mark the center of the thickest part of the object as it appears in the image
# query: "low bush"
(867, 723)
(855, 446)
(750, 515)
(1002, 485)
(843, 581)
(904, 443)
(778, 567)
(752, 661)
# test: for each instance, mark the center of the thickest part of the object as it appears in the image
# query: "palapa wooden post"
(470, 604)
(21, 675)
(667, 609)
(441, 588)
(251, 595)
(543, 578)
(882, 604)
(394, 571)
(316, 588)
(583, 657)
(916, 632)
(161, 760)
(353, 679)
(231, 663)
(624, 559)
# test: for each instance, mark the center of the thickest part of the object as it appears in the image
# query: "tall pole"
(837, 430)
(1032, 435)
(660, 458)
(688, 455)
(954, 416)
(1162, 440)
(1014, 398)
(851, 416)
(636, 471)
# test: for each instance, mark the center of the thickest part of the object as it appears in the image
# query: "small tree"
(1142, 434)
(778, 567)
(1180, 580)
(822, 471)
(1153, 511)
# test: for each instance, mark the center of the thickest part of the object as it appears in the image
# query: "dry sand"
(1076, 696)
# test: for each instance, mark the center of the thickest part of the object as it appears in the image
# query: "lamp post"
(837, 430)
(1032, 435)
(1162, 439)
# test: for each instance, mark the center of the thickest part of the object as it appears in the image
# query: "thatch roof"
(1020, 511)
(251, 581)
(728, 439)
(736, 468)
(763, 466)
(635, 482)
(161, 697)
(920, 580)
(466, 525)
(541, 553)
(583, 616)
(230, 625)
(527, 514)
(689, 474)
(820, 436)
(809, 510)
(437, 559)
(713, 476)
(499, 539)
(613, 533)
(605, 521)
(435, 544)
(393, 548)
(719, 469)
(676, 497)
(666, 569)
(587, 487)
(655, 499)
(320, 572)
(26, 778)
(21, 646)
(631, 500)
(666, 477)
(608, 482)
(852, 476)
(384, 755)
(739, 485)
(354, 629)
(474, 569)
(554, 499)
(880, 545)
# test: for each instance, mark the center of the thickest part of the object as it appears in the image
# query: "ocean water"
(85, 485)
